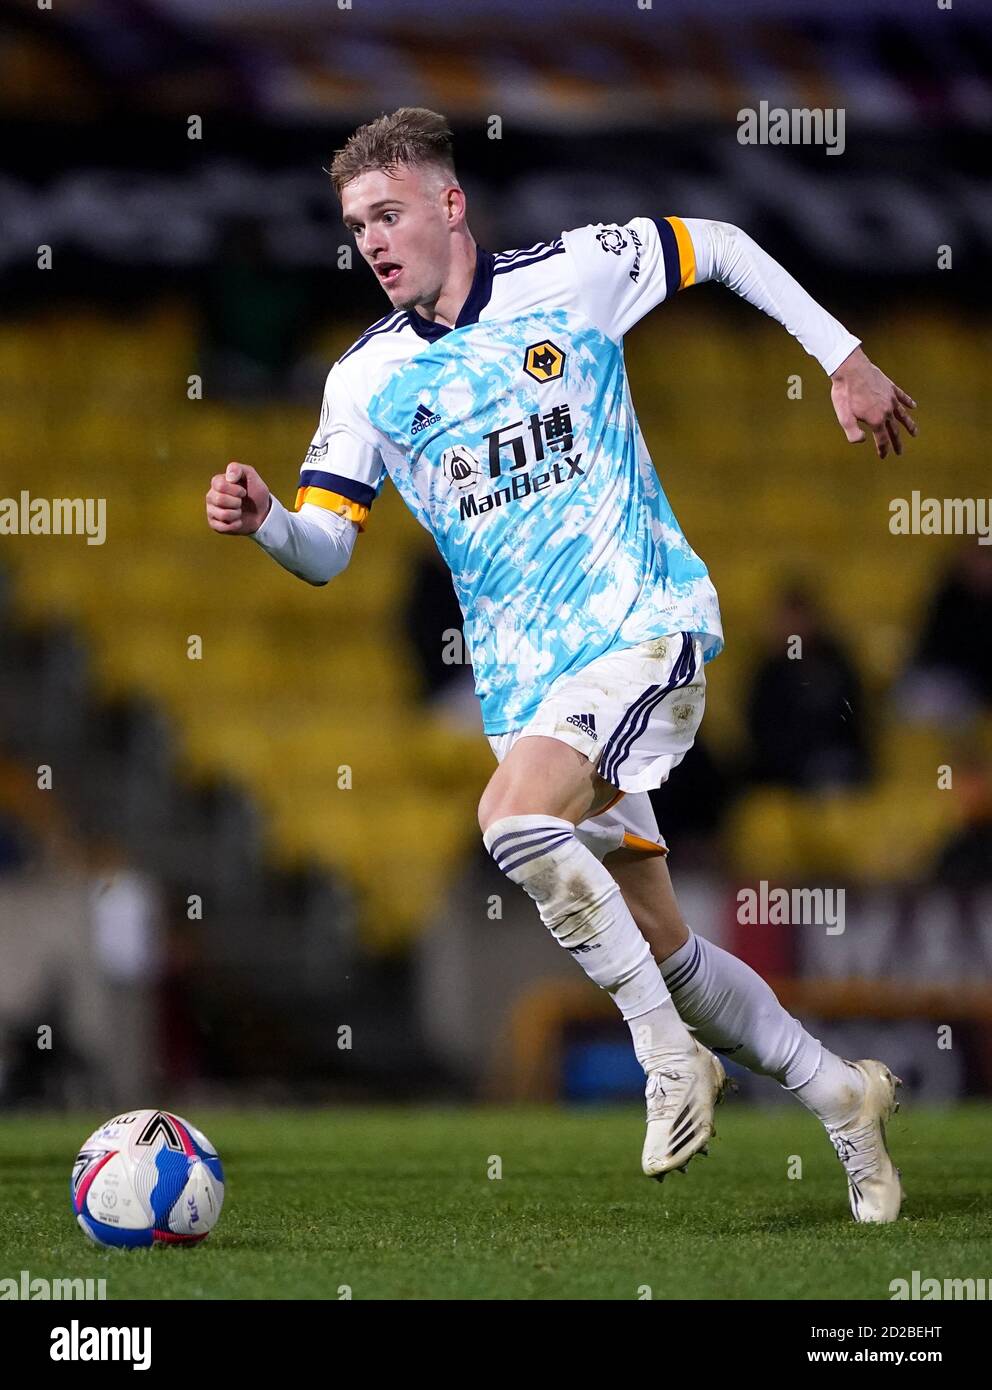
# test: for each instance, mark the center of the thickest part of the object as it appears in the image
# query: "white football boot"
(681, 1096)
(872, 1180)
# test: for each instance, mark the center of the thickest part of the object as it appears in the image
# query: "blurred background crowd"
(238, 845)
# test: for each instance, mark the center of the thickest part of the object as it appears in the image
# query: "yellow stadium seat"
(296, 682)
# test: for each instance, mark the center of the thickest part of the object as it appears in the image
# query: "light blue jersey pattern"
(512, 439)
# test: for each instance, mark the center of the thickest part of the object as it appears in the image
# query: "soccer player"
(494, 395)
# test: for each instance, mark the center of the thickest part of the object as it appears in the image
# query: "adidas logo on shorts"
(585, 722)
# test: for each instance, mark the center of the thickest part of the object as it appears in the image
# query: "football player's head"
(401, 198)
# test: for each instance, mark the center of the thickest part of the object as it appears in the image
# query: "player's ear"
(454, 205)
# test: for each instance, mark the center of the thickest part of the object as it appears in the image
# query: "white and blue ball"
(147, 1178)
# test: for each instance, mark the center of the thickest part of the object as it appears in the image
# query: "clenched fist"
(238, 501)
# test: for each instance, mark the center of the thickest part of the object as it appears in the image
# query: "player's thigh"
(543, 776)
(647, 890)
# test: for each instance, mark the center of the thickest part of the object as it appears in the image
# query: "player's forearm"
(314, 550)
(725, 253)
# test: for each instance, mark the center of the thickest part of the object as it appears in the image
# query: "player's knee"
(486, 813)
(496, 804)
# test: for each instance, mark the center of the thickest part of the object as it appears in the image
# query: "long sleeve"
(725, 253)
(313, 543)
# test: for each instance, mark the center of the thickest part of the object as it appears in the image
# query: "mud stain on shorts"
(658, 648)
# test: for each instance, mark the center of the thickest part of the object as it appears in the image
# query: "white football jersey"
(512, 438)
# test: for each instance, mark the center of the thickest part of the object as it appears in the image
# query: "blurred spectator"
(433, 621)
(805, 709)
(692, 806)
(966, 859)
(950, 674)
(126, 925)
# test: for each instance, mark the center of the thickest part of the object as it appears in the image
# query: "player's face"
(402, 224)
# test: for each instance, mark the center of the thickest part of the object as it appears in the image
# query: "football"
(147, 1178)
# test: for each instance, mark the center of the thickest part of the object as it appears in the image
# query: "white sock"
(733, 1011)
(656, 1034)
(834, 1092)
(581, 905)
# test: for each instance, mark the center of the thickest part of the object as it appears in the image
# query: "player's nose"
(375, 246)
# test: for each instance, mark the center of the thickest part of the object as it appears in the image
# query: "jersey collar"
(478, 298)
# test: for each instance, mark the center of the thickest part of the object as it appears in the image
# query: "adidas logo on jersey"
(585, 722)
(422, 419)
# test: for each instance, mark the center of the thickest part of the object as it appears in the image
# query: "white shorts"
(634, 714)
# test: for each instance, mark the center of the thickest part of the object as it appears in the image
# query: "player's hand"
(238, 501)
(860, 392)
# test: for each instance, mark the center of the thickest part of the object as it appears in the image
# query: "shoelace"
(861, 1145)
(659, 1101)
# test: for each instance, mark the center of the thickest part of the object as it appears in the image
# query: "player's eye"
(387, 215)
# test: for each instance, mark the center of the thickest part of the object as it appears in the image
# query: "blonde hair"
(412, 136)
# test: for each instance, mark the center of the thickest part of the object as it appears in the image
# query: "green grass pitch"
(398, 1204)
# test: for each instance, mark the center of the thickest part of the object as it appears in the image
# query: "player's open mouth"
(388, 272)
